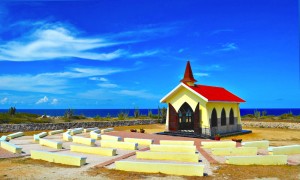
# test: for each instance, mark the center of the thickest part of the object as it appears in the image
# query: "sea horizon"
(114, 112)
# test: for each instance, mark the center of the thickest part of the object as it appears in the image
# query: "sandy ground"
(26, 168)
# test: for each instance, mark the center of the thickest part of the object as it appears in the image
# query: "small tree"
(162, 113)
(150, 113)
(257, 113)
(12, 111)
(136, 112)
(69, 113)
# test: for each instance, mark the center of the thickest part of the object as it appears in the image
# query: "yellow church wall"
(183, 95)
(227, 106)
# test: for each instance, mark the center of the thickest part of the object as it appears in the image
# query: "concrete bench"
(146, 142)
(259, 144)
(185, 157)
(94, 150)
(3, 138)
(174, 142)
(240, 151)
(76, 131)
(49, 143)
(111, 138)
(90, 129)
(56, 132)
(83, 140)
(119, 145)
(285, 150)
(67, 136)
(107, 130)
(166, 168)
(36, 137)
(58, 158)
(98, 131)
(15, 135)
(11, 147)
(218, 144)
(94, 135)
(172, 148)
(257, 160)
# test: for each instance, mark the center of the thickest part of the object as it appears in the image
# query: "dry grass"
(149, 129)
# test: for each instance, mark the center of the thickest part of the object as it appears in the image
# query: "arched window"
(214, 118)
(231, 117)
(180, 116)
(223, 117)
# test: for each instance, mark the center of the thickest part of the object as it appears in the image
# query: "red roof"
(188, 74)
(213, 93)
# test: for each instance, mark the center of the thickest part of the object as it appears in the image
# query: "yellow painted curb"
(166, 168)
(146, 142)
(172, 148)
(257, 160)
(11, 147)
(110, 138)
(240, 151)
(174, 142)
(49, 143)
(184, 157)
(218, 144)
(119, 145)
(259, 144)
(83, 140)
(55, 132)
(15, 135)
(94, 135)
(285, 150)
(94, 150)
(58, 158)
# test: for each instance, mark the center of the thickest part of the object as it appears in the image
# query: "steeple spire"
(188, 75)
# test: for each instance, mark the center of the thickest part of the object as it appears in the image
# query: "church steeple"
(188, 75)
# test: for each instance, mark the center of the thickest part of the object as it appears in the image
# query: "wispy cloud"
(42, 100)
(224, 48)
(218, 31)
(108, 85)
(137, 93)
(48, 41)
(201, 74)
(98, 79)
(4, 100)
(54, 101)
(54, 82)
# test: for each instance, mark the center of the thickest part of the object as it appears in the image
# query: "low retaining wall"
(69, 125)
(284, 125)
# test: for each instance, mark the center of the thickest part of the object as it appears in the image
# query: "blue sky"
(131, 53)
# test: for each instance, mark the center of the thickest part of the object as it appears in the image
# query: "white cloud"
(42, 100)
(4, 100)
(98, 79)
(139, 93)
(201, 74)
(108, 85)
(54, 101)
(55, 82)
(48, 41)
(224, 48)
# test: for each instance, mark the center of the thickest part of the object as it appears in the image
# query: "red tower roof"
(188, 74)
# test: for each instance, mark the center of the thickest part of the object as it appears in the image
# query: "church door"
(186, 117)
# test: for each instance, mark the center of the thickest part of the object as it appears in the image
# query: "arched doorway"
(214, 118)
(185, 117)
(231, 117)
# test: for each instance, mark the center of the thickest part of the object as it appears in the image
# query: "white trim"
(226, 102)
(165, 97)
(177, 87)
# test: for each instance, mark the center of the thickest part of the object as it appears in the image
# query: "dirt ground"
(26, 168)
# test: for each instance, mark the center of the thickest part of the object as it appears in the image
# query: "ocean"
(115, 112)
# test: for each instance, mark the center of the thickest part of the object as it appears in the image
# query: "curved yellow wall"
(227, 106)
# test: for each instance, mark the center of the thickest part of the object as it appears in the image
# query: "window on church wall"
(223, 117)
(231, 117)
(214, 118)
